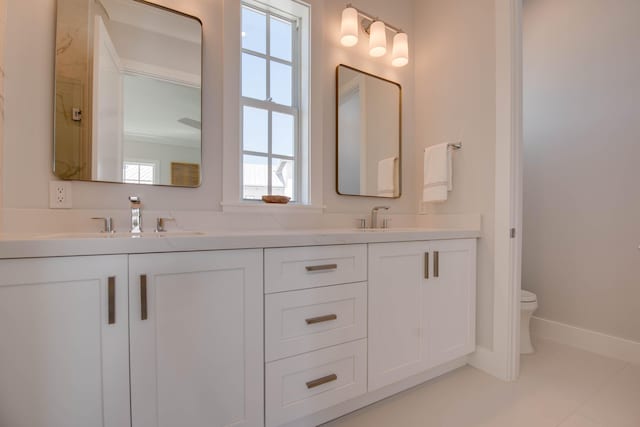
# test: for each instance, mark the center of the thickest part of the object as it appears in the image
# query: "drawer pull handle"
(144, 315)
(436, 264)
(325, 267)
(111, 296)
(322, 381)
(426, 265)
(321, 319)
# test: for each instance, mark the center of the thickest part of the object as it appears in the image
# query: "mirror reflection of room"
(128, 93)
(369, 160)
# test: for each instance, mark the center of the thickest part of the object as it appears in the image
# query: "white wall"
(456, 93)
(582, 153)
(28, 139)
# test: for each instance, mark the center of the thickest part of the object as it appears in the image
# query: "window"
(138, 173)
(272, 103)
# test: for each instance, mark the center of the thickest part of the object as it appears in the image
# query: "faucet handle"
(160, 223)
(135, 200)
(108, 224)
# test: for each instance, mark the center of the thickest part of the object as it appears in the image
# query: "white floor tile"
(618, 403)
(580, 421)
(554, 384)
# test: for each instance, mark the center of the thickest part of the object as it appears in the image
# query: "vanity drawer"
(300, 321)
(302, 385)
(288, 269)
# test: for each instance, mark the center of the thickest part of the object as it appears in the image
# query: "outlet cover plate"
(60, 195)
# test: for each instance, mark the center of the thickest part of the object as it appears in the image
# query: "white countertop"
(70, 244)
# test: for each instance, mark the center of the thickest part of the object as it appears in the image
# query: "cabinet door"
(397, 277)
(64, 357)
(450, 295)
(196, 339)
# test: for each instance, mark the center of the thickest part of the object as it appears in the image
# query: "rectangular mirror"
(369, 136)
(128, 93)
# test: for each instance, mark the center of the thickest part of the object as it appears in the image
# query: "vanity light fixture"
(377, 39)
(400, 54)
(377, 30)
(349, 28)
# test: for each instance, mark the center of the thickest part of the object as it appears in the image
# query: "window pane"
(254, 30)
(281, 83)
(254, 77)
(131, 172)
(282, 177)
(281, 38)
(255, 130)
(255, 177)
(146, 174)
(283, 137)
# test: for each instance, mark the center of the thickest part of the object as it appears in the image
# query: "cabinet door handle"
(321, 319)
(111, 297)
(325, 267)
(436, 264)
(143, 297)
(426, 265)
(321, 381)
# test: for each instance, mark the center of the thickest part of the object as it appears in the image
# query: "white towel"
(386, 177)
(438, 173)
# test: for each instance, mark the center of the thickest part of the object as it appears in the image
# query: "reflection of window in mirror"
(139, 172)
(274, 74)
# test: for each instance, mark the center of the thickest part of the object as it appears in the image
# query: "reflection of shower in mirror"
(135, 72)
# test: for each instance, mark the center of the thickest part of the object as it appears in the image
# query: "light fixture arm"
(369, 19)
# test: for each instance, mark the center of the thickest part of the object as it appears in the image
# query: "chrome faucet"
(108, 224)
(136, 214)
(374, 215)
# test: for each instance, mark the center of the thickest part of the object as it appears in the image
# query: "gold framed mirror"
(368, 134)
(128, 96)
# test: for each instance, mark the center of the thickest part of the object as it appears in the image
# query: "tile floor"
(559, 386)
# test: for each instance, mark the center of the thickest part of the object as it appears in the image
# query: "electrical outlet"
(60, 195)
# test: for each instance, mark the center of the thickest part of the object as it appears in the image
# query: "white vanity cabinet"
(421, 307)
(196, 339)
(271, 336)
(64, 342)
(315, 327)
(179, 335)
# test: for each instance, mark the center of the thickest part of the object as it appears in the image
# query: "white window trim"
(311, 117)
(299, 192)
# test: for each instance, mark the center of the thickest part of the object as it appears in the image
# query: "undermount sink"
(124, 235)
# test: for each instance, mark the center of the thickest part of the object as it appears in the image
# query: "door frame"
(503, 360)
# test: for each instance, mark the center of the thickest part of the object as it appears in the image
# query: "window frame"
(272, 107)
(155, 166)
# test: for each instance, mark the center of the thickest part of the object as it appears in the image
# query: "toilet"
(528, 304)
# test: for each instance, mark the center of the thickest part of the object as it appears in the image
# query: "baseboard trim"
(595, 342)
